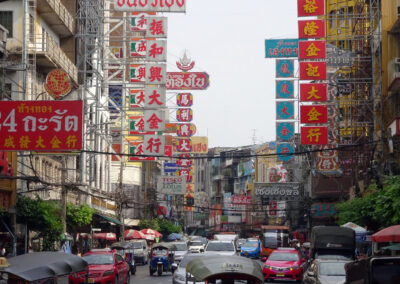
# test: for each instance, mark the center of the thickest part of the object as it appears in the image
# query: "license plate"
(280, 274)
(91, 280)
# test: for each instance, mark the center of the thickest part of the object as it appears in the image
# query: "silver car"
(221, 247)
(325, 271)
(181, 250)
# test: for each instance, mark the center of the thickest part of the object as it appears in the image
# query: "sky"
(226, 39)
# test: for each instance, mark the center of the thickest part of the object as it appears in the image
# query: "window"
(6, 93)
(6, 20)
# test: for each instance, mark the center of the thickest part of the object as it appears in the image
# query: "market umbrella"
(133, 234)
(389, 234)
(358, 229)
(105, 236)
(151, 232)
(174, 237)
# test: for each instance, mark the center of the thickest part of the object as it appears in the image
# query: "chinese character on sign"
(284, 89)
(284, 110)
(138, 47)
(157, 50)
(184, 161)
(284, 131)
(153, 121)
(184, 130)
(184, 145)
(137, 73)
(312, 29)
(157, 27)
(136, 98)
(314, 135)
(284, 68)
(184, 99)
(184, 115)
(306, 8)
(155, 74)
(314, 114)
(154, 145)
(312, 70)
(285, 152)
(155, 97)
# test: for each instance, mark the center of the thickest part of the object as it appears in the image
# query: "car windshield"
(195, 244)
(160, 252)
(250, 245)
(99, 259)
(181, 247)
(220, 247)
(332, 269)
(283, 256)
(137, 245)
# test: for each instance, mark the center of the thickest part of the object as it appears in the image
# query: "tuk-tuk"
(41, 267)
(162, 258)
(224, 270)
(125, 249)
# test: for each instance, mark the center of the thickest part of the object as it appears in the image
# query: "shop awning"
(131, 222)
(112, 220)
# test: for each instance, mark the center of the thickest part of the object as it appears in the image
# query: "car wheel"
(151, 271)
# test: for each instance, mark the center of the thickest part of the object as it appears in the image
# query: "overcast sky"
(226, 39)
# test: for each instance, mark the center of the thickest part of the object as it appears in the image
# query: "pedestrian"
(3, 252)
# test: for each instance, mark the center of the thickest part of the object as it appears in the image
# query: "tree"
(78, 217)
(377, 208)
(41, 216)
(163, 226)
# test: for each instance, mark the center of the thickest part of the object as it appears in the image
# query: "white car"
(227, 248)
(196, 247)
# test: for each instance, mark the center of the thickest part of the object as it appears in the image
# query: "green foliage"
(165, 227)
(376, 208)
(79, 216)
(41, 216)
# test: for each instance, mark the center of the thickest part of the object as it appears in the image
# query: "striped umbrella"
(151, 232)
(133, 234)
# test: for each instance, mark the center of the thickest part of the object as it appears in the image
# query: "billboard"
(288, 191)
(314, 114)
(41, 125)
(177, 6)
(281, 48)
(171, 185)
(187, 80)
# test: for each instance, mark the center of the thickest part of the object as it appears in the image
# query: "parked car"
(221, 247)
(180, 251)
(105, 266)
(196, 246)
(141, 251)
(284, 264)
(325, 271)
(251, 249)
(240, 242)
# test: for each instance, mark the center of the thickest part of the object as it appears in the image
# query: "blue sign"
(281, 48)
(284, 110)
(285, 152)
(284, 131)
(284, 89)
(171, 167)
(284, 68)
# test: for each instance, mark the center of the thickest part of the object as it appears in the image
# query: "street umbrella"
(133, 234)
(151, 232)
(174, 237)
(389, 234)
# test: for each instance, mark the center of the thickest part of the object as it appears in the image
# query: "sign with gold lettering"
(313, 92)
(41, 125)
(313, 70)
(314, 114)
(57, 83)
(316, 135)
(306, 8)
(312, 49)
(312, 29)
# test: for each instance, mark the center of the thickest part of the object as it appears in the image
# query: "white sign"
(156, 50)
(156, 74)
(171, 185)
(154, 120)
(176, 6)
(154, 145)
(155, 97)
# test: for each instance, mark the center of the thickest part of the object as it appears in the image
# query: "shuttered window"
(6, 20)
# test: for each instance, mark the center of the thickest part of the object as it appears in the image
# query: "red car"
(284, 264)
(105, 267)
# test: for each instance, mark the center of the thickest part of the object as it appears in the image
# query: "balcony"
(3, 41)
(48, 53)
(57, 16)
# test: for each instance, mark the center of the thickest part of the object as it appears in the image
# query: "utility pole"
(64, 192)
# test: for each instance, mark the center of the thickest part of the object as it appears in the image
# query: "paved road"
(142, 277)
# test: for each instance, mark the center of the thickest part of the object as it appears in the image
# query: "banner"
(281, 48)
(171, 185)
(312, 49)
(314, 92)
(306, 8)
(314, 135)
(178, 6)
(41, 125)
(154, 120)
(314, 114)
(311, 29)
(313, 70)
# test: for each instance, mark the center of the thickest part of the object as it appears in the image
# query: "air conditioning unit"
(397, 60)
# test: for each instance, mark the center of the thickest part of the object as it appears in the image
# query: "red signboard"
(184, 115)
(313, 92)
(41, 125)
(184, 145)
(241, 199)
(314, 114)
(306, 8)
(185, 130)
(187, 80)
(312, 49)
(184, 161)
(184, 99)
(312, 70)
(315, 135)
(312, 29)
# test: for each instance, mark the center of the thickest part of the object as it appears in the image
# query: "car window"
(220, 247)
(195, 244)
(332, 269)
(118, 258)
(137, 245)
(181, 247)
(284, 256)
(250, 244)
(98, 259)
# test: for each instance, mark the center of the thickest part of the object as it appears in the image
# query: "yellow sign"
(3, 262)
(199, 145)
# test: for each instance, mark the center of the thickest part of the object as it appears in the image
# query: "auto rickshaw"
(125, 249)
(224, 270)
(41, 267)
(162, 258)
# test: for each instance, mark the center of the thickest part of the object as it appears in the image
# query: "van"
(232, 237)
(141, 251)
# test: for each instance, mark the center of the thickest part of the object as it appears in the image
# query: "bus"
(273, 237)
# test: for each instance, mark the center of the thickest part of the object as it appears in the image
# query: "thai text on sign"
(41, 125)
(277, 48)
(178, 6)
(187, 80)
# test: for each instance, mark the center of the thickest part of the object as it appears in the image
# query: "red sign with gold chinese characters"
(316, 135)
(314, 114)
(313, 92)
(312, 49)
(57, 83)
(312, 70)
(306, 8)
(41, 125)
(312, 29)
